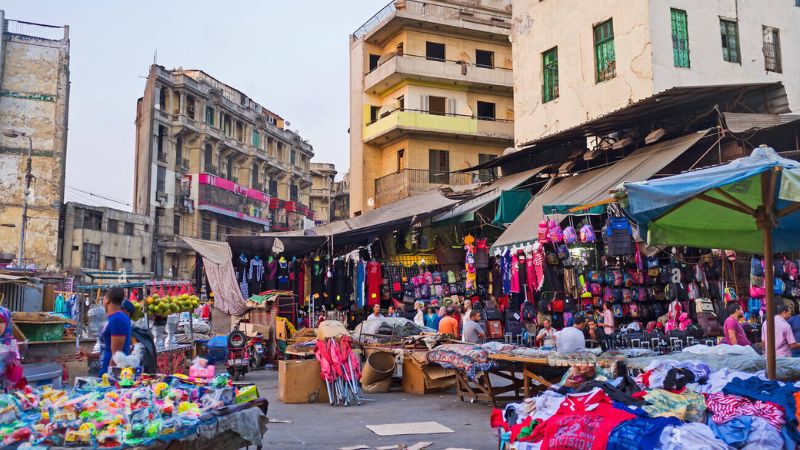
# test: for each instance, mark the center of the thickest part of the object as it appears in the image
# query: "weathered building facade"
(323, 177)
(34, 100)
(340, 198)
(430, 93)
(576, 60)
(211, 162)
(106, 239)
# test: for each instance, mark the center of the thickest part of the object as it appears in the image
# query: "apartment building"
(576, 60)
(430, 93)
(323, 177)
(211, 162)
(340, 198)
(34, 103)
(105, 239)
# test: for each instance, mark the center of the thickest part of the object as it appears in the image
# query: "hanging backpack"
(779, 287)
(563, 253)
(587, 234)
(570, 236)
(756, 268)
(554, 231)
(543, 234)
(527, 312)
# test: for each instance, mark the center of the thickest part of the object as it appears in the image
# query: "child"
(11, 373)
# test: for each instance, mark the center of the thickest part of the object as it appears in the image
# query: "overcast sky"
(290, 56)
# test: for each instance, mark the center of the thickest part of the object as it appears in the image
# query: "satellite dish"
(371, 202)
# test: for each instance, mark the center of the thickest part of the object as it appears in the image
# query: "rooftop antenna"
(155, 57)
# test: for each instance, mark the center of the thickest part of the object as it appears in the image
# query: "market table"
(533, 369)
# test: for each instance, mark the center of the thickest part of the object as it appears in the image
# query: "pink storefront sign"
(230, 186)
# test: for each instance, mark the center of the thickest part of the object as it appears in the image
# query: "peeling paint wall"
(34, 97)
(567, 24)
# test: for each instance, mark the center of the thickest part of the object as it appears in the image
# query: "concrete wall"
(705, 52)
(34, 98)
(567, 24)
(136, 247)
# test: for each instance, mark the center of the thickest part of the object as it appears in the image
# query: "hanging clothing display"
(271, 274)
(255, 275)
(361, 269)
(283, 275)
(374, 278)
(317, 281)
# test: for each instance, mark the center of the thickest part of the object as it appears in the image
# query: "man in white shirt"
(571, 339)
(376, 313)
(473, 332)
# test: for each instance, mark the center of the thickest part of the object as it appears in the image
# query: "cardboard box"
(299, 382)
(419, 377)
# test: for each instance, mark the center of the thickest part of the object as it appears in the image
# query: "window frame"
(777, 66)
(604, 51)
(485, 105)
(550, 75)
(430, 45)
(438, 175)
(210, 115)
(726, 26)
(90, 256)
(112, 226)
(128, 228)
(489, 53)
(486, 174)
(256, 139)
(679, 24)
(92, 220)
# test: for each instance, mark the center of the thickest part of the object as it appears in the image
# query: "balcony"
(323, 193)
(400, 68)
(477, 22)
(408, 182)
(229, 199)
(393, 125)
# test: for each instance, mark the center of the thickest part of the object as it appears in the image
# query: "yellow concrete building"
(430, 93)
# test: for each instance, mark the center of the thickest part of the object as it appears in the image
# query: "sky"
(290, 56)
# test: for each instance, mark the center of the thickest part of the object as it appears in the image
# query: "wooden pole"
(770, 322)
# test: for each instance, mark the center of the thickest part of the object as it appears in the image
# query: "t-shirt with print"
(118, 325)
(583, 421)
(548, 337)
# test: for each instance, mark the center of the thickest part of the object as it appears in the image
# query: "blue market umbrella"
(751, 204)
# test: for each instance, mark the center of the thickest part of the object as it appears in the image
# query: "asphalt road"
(321, 426)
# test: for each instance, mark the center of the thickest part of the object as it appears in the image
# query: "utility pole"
(28, 176)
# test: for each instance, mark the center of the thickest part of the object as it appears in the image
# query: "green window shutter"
(680, 38)
(550, 68)
(256, 139)
(605, 59)
(729, 31)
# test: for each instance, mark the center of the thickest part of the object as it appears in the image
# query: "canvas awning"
(293, 243)
(489, 193)
(748, 122)
(219, 271)
(591, 186)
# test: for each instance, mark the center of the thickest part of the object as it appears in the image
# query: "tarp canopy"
(489, 193)
(594, 185)
(511, 205)
(294, 243)
(219, 271)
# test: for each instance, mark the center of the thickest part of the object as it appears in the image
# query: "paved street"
(321, 426)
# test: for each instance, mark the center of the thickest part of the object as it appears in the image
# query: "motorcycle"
(238, 361)
(257, 351)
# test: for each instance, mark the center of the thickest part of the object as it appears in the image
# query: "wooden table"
(537, 370)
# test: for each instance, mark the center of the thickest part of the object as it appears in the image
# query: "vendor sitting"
(376, 313)
(571, 339)
(449, 325)
(546, 338)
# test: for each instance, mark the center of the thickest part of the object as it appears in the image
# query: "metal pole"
(770, 322)
(21, 253)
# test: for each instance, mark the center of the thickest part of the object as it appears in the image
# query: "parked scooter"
(258, 352)
(238, 361)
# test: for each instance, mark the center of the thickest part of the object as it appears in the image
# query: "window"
(550, 75)
(437, 105)
(373, 62)
(178, 152)
(112, 226)
(129, 228)
(162, 99)
(161, 179)
(293, 192)
(254, 176)
(486, 174)
(190, 104)
(239, 131)
(91, 256)
(110, 263)
(209, 115)
(401, 160)
(680, 38)
(486, 110)
(176, 224)
(127, 265)
(208, 158)
(401, 102)
(205, 233)
(92, 220)
(227, 125)
(256, 139)
(772, 49)
(273, 188)
(162, 136)
(729, 30)
(484, 58)
(229, 168)
(439, 166)
(373, 113)
(280, 151)
(434, 51)
(605, 59)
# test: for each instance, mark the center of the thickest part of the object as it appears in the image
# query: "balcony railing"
(408, 182)
(446, 61)
(419, 8)
(420, 111)
(391, 125)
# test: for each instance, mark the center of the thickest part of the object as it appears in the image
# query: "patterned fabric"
(726, 407)
(463, 357)
(687, 406)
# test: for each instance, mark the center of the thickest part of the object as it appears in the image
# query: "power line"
(92, 194)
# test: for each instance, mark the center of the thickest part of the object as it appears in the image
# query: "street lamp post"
(13, 134)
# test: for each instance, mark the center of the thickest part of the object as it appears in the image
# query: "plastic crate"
(43, 374)
(42, 331)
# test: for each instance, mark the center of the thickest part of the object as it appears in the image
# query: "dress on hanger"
(271, 273)
(373, 283)
(283, 275)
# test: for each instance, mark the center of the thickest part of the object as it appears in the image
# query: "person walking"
(116, 335)
(608, 319)
(733, 333)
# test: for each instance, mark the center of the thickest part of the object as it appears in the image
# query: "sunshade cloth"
(489, 193)
(219, 271)
(511, 205)
(749, 204)
(591, 186)
(294, 243)
(668, 212)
